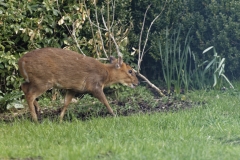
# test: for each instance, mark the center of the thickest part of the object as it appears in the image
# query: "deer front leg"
(102, 98)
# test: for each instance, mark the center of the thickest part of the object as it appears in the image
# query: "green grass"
(208, 131)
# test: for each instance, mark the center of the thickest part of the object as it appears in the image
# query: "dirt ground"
(169, 105)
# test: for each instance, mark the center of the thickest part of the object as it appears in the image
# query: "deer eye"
(130, 71)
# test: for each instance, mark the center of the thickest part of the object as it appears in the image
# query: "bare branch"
(75, 38)
(149, 83)
(103, 59)
(141, 53)
(140, 40)
(116, 45)
(113, 14)
(94, 40)
(72, 33)
(112, 37)
(104, 22)
(98, 27)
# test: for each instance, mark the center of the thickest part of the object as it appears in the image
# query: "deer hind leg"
(102, 98)
(68, 98)
(37, 108)
(31, 93)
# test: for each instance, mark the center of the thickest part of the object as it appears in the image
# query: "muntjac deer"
(46, 68)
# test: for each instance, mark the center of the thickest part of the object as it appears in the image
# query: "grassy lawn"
(207, 131)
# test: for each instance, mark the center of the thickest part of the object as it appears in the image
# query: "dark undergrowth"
(124, 103)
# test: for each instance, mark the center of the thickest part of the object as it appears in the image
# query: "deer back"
(52, 67)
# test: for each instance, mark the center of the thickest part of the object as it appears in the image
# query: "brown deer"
(46, 68)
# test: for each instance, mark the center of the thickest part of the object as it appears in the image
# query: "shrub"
(212, 23)
(47, 23)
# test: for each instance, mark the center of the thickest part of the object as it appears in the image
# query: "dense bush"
(169, 19)
(26, 25)
(216, 24)
(212, 23)
(35, 26)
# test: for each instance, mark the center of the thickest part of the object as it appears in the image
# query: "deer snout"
(133, 85)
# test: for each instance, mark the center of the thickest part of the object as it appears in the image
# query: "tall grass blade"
(207, 49)
(209, 65)
(215, 80)
(220, 66)
(227, 80)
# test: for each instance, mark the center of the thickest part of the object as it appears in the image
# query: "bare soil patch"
(52, 113)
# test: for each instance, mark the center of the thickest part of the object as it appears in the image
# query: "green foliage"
(9, 79)
(209, 73)
(6, 99)
(217, 66)
(133, 97)
(212, 23)
(121, 99)
(51, 23)
(222, 31)
(175, 59)
(169, 19)
(27, 25)
(199, 80)
(8, 72)
(181, 70)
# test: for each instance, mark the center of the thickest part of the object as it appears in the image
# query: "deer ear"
(120, 61)
(112, 59)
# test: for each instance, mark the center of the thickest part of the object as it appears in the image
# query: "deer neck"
(112, 74)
